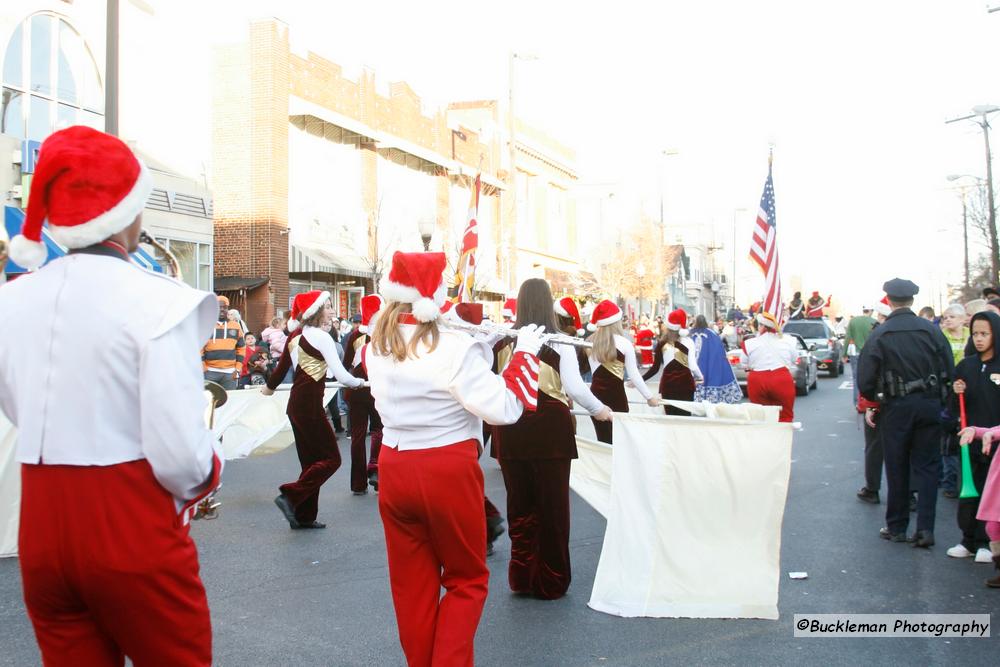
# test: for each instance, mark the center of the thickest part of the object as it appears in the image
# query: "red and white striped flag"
(465, 272)
(764, 250)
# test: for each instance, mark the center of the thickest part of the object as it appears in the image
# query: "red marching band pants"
(108, 569)
(774, 387)
(431, 503)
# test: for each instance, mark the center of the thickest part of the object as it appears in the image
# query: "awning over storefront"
(237, 283)
(315, 260)
(575, 283)
(13, 219)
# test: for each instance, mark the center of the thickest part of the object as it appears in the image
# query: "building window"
(193, 259)
(50, 80)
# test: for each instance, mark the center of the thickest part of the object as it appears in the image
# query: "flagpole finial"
(770, 154)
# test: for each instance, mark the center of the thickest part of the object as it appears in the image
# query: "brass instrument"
(496, 330)
(208, 508)
(172, 264)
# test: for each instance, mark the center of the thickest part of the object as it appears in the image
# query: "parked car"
(822, 341)
(805, 372)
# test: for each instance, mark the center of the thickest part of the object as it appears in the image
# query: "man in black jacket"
(907, 367)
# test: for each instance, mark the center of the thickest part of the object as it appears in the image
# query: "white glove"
(852, 350)
(530, 339)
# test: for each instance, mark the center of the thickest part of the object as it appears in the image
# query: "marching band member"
(112, 438)
(611, 359)
(535, 455)
(675, 351)
(509, 312)
(570, 322)
(815, 306)
(361, 406)
(770, 357)
(311, 352)
(432, 387)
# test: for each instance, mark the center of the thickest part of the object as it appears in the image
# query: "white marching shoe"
(959, 551)
(984, 556)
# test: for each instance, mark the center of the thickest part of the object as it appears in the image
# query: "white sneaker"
(984, 556)
(959, 551)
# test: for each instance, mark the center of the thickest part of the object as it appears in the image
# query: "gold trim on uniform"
(314, 368)
(671, 352)
(550, 382)
(503, 357)
(616, 368)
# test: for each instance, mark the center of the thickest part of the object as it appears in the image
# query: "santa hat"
(605, 313)
(883, 308)
(370, 305)
(510, 308)
(815, 293)
(416, 278)
(305, 305)
(87, 186)
(566, 307)
(768, 320)
(677, 321)
(470, 312)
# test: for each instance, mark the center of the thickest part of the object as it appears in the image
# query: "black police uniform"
(907, 366)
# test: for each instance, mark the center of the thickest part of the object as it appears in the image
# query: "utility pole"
(980, 117)
(111, 69)
(965, 239)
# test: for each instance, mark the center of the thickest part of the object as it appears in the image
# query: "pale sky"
(852, 94)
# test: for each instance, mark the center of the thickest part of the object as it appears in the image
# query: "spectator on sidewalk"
(222, 357)
(275, 337)
(957, 334)
(858, 330)
(251, 349)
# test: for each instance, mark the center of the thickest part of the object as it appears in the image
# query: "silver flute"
(493, 329)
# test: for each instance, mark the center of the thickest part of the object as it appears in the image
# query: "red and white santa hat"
(305, 305)
(677, 321)
(370, 305)
(605, 313)
(509, 309)
(417, 278)
(566, 307)
(883, 308)
(87, 186)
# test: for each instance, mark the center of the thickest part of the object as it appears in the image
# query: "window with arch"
(50, 80)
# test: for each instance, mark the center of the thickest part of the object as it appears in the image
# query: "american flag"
(764, 249)
(465, 274)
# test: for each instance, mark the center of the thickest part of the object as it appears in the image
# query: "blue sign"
(29, 155)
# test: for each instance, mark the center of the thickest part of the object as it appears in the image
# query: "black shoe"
(363, 492)
(312, 525)
(868, 496)
(489, 548)
(373, 479)
(494, 529)
(286, 508)
(923, 539)
(886, 534)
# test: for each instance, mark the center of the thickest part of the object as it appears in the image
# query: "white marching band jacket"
(769, 352)
(101, 365)
(440, 397)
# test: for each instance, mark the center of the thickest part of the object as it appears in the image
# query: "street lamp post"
(426, 228)
(733, 282)
(965, 223)
(980, 114)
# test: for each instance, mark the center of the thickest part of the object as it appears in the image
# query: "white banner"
(10, 489)
(694, 509)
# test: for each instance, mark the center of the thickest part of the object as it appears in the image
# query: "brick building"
(318, 176)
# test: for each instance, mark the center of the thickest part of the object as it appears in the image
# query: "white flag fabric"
(694, 509)
(10, 489)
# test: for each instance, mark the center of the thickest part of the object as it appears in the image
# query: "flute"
(493, 329)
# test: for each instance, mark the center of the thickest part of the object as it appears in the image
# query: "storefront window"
(194, 260)
(47, 61)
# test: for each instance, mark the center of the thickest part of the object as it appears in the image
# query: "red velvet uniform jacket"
(549, 431)
(608, 384)
(676, 382)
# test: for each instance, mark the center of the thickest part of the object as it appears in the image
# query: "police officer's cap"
(899, 289)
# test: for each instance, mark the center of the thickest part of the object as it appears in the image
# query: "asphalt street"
(281, 597)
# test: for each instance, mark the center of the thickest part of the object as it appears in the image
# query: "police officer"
(907, 366)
